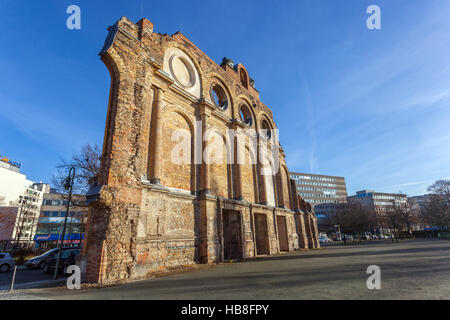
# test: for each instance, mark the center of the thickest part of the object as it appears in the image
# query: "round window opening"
(182, 71)
(246, 115)
(219, 97)
(265, 126)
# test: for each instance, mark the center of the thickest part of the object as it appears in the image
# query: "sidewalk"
(17, 295)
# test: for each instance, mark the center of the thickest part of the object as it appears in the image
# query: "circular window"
(246, 115)
(182, 71)
(219, 97)
(265, 126)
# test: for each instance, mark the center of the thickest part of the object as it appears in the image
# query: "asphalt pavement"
(26, 278)
(410, 269)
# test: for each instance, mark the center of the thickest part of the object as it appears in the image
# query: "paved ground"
(416, 269)
(23, 277)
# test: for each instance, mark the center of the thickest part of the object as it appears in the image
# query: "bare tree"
(355, 218)
(352, 218)
(436, 212)
(399, 216)
(440, 187)
(87, 165)
(2, 201)
(391, 219)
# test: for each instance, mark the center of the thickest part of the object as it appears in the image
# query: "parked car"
(6, 262)
(335, 237)
(347, 237)
(39, 261)
(67, 258)
(324, 239)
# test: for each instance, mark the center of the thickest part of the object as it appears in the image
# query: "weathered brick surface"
(153, 213)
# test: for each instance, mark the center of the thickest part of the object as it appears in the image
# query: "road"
(411, 269)
(23, 276)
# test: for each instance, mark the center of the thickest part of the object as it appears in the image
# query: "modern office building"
(419, 202)
(378, 201)
(324, 192)
(52, 216)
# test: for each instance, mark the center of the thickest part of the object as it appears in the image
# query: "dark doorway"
(261, 233)
(282, 233)
(232, 241)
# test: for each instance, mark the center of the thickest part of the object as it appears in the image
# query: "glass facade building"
(324, 192)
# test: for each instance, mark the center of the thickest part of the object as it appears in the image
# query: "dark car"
(39, 261)
(67, 258)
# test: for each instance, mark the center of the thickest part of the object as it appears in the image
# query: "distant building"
(325, 193)
(378, 201)
(52, 216)
(19, 219)
(8, 217)
(419, 202)
(21, 201)
(12, 182)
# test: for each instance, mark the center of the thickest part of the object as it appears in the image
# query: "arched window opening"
(243, 77)
(219, 97)
(265, 126)
(246, 115)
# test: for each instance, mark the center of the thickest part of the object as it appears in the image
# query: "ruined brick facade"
(148, 213)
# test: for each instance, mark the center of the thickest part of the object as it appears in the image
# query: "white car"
(324, 239)
(6, 262)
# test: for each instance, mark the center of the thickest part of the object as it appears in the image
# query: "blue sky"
(370, 105)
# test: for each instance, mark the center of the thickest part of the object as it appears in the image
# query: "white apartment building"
(22, 201)
(12, 183)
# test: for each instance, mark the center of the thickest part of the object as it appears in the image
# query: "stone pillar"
(262, 184)
(316, 231)
(294, 195)
(238, 182)
(280, 191)
(302, 232)
(157, 147)
(238, 168)
(205, 172)
(260, 177)
(312, 229)
(309, 231)
(275, 222)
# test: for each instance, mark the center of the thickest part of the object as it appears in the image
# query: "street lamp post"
(68, 185)
(338, 230)
(81, 226)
